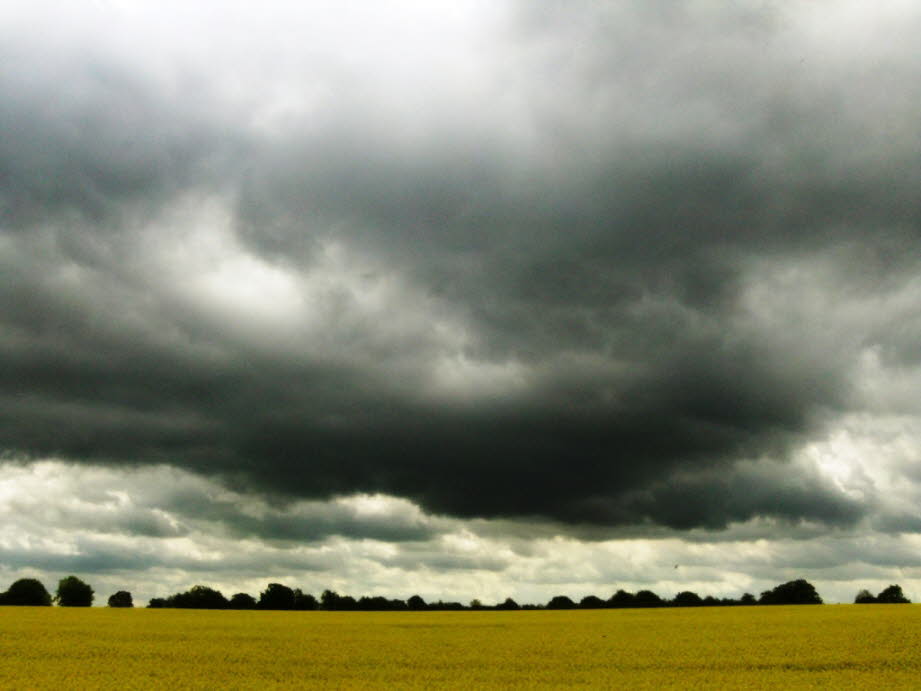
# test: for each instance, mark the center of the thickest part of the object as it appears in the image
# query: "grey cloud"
(593, 217)
(88, 140)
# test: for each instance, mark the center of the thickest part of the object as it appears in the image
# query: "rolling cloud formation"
(596, 264)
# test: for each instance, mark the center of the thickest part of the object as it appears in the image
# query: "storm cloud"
(589, 264)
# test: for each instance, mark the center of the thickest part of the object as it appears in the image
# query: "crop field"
(831, 646)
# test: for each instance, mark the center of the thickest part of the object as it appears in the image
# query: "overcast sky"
(467, 299)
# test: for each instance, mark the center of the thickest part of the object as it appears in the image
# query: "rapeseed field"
(831, 646)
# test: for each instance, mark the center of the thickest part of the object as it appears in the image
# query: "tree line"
(73, 592)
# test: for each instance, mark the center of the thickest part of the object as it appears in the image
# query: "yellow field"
(831, 646)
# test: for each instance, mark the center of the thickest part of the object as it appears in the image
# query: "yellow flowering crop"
(830, 646)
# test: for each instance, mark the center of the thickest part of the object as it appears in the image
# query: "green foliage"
(304, 601)
(892, 596)
(26, 592)
(592, 602)
(72, 592)
(687, 599)
(622, 599)
(864, 597)
(121, 599)
(561, 602)
(198, 597)
(647, 598)
(276, 596)
(242, 601)
(798, 592)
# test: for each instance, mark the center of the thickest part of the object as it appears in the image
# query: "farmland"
(753, 647)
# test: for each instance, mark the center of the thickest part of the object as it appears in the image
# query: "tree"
(798, 592)
(864, 597)
(622, 599)
(415, 603)
(157, 603)
(561, 602)
(26, 592)
(892, 596)
(508, 605)
(242, 601)
(647, 598)
(592, 602)
(376, 603)
(748, 599)
(121, 599)
(348, 603)
(687, 599)
(198, 597)
(276, 596)
(304, 601)
(72, 592)
(333, 601)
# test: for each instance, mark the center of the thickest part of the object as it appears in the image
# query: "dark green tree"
(508, 605)
(242, 601)
(415, 603)
(276, 596)
(26, 592)
(798, 592)
(622, 599)
(592, 602)
(121, 599)
(647, 598)
(892, 596)
(198, 597)
(561, 602)
(72, 592)
(864, 597)
(305, 601)
(330, 600)
(687, 599)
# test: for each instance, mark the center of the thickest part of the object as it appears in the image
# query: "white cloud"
(155, 531)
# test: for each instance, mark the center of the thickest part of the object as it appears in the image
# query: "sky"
(467, 300)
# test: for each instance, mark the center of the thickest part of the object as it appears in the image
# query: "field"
(831, 646)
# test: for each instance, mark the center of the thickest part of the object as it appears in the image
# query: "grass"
(831, 646)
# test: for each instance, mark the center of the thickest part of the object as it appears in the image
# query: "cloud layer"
(580, 264)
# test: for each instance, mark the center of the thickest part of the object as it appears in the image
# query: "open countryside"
(833, 646)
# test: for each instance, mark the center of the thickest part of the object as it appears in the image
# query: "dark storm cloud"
(592, 219)
(85, 139)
